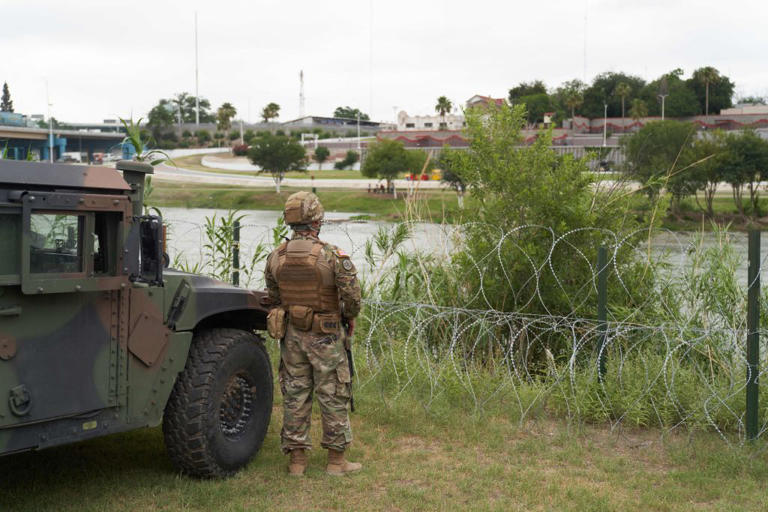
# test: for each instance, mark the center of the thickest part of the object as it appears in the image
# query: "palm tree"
(573, 101)
(622, 89)
(638, 109)
(708, 75)
(224, 116)
(443, 106)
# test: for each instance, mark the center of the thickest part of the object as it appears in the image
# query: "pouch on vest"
(276, 323)
(301, 317)
(327, 323)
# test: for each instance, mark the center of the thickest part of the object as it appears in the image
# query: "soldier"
(316, 285)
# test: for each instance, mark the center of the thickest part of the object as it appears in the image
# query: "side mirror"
(147, 265)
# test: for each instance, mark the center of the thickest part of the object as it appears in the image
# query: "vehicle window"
(56, 243)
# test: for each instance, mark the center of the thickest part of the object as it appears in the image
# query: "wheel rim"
(236, 405)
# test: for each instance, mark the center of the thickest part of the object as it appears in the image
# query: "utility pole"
(605, 122)
(358, 132)
(197, 91)
(301, 93)
(242, 139)
(50, 123)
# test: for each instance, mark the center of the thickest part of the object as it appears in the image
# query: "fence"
(687, 356)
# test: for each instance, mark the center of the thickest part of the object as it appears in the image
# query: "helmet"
(303, 208)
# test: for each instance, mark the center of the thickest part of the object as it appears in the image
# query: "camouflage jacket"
(345, 275)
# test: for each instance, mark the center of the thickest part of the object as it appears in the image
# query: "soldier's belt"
(304, 318)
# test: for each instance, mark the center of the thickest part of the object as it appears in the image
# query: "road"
(166, 172)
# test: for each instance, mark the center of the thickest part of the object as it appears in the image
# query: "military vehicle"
(97, 337)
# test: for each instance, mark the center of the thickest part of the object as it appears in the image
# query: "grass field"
(444, 458)
(435, 205)
(193, 163)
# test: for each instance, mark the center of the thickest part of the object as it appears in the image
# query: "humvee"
(98, 337)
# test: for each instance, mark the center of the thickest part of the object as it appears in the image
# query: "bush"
(240, 149)
(186, 134)
(203, 136)
(349, 160)
(234, 135)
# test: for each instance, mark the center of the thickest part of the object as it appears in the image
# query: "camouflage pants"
(314, 363)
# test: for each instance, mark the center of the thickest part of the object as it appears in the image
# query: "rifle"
(350, 362)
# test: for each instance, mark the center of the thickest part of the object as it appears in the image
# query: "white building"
(435, 122)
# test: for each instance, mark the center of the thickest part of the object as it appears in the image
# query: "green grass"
(193, 163)
(442, 458)
(435, 205)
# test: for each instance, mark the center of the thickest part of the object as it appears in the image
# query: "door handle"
(10, 311)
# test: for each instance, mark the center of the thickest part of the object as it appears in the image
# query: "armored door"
(62, 329)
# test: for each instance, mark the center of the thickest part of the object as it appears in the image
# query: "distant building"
(434, 122)
(332, 122)
(745, 109)
(478, 100)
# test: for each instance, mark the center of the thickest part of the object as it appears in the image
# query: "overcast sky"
(104, 59)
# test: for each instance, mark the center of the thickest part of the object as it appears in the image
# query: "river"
(186, 237)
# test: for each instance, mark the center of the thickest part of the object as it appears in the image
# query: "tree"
(387, 159)
(754, 100)
(447, 163)
(224, 116)
(349, 113)
(526, 89)
(638, 110)
(321, 155)
(161, 118)
(680, 100)
(277, 154)
(350, 159)
(658, 156)
(6, 104)
(622, 90)
(443, 107)
(271, 111)
(600, 93)
(707, 154)
(568, 97)
(203, 136)
(713, 90)
(185, 103)
(745, 163)
(528, 196)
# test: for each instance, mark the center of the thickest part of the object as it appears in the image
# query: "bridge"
(22, 140)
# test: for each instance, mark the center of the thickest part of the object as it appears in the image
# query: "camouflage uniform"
(316, 362)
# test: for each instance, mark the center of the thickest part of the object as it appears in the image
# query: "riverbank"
(428, 205)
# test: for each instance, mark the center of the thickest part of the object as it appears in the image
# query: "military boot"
(298, 462)
(338, 465)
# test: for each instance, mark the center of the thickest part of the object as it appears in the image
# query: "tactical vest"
(305, 278)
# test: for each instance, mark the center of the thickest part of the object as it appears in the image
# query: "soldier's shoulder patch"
(347, 264)
(340, 253)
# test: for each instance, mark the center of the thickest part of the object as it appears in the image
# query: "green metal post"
(602, 305)
(236, 254)
(753, 335)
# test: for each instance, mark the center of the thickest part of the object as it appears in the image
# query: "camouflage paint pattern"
(92, 352)
(316, 363)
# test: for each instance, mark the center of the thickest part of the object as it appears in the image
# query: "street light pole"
(663, 97)
(605, 122)
(50, 123)
(197, 92)
(358, 133)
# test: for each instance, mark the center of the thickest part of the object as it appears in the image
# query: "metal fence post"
(753, 334)
(236, 254)
(602, 306)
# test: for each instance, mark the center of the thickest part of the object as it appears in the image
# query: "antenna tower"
(301, 93)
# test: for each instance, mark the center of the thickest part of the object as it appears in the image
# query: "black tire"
(219, 410)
